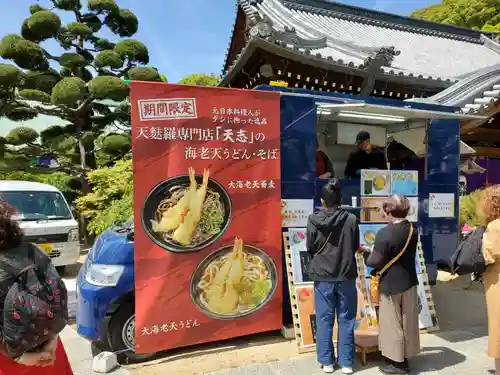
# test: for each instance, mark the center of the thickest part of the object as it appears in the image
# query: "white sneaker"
(347, 370)
(328, 369)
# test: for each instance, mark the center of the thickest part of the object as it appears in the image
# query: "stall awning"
(360, 109)
(414, 139)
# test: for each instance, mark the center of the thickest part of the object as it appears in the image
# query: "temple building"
(327, 46)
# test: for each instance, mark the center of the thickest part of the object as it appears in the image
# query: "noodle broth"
(215, 213)
(257, 286)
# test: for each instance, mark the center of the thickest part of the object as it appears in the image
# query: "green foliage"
(144, 74)
(69, 5)
(108, 88)
(111, 199)
(133, 50)
(123, 23)
(108, 58)
(115, 145)
(72, 60)
(9, 75)
(69, 91)
(35, 95)
(469, 212)
(43, 24)
(201, 79)
(67, 185)
(24, 53)
(103, 6)
(35, 8)
(474, 14)
(76, 86)
(79, 29)
(41, 80)
(22, 135)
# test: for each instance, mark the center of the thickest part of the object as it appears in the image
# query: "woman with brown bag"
(394, 283)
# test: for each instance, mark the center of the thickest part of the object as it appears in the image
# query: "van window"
(37, 205)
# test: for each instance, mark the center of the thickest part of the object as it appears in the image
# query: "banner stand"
(363, 349)
(301, 348)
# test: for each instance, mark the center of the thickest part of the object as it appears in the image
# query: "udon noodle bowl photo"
(187, 213)
(234, 281)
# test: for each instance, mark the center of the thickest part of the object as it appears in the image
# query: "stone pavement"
(80, 354)
(443, 353)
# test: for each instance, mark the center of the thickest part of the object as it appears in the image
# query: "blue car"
(105, 290)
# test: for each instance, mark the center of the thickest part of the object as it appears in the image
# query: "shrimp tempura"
(184, 232)
(237, 264)
(172, 218)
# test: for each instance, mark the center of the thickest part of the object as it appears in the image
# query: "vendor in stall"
(324, 168)
(365, 157)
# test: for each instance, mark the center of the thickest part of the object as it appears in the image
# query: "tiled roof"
(428, 50)
(475, 94)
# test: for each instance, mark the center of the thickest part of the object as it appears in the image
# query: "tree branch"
(82, 106)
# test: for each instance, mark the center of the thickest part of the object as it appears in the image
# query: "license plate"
(46, 247)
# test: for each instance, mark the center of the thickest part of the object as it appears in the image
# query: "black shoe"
(392, 370)
(406, 365)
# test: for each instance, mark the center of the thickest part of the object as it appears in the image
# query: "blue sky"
(183, 36)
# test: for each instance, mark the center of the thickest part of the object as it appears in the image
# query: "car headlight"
(73, 235)
(103, 274)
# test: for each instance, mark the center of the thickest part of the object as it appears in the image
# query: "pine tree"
(84, 87)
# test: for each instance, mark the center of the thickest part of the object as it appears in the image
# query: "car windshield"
(37, 205)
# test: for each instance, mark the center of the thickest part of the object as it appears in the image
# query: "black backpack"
(35, 308)
(468, 257)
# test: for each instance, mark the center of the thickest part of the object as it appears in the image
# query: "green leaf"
(22, 135)
(111, 199)
(43, 24)
(69, 91)
(102, 6)
(79, 29)
(72, 60)
(108, 88)
(143, 74)
(35, 95)
(201, 79)
(9, 75)
(133, 50)
(108, 58)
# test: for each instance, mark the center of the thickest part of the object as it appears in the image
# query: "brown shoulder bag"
(375, 279)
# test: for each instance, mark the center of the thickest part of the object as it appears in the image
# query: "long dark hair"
(11, 235)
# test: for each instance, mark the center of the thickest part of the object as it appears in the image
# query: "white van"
(46, 219)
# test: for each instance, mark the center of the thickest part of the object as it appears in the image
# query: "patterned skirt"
(399, 332)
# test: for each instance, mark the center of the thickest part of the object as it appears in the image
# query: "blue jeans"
(330, 299)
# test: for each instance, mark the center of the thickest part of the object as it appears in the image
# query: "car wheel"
(121, 335)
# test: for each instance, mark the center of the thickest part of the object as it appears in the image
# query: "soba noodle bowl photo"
(189, 214)
(236, 283)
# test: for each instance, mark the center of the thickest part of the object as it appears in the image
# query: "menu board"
(441, 205)
(424, 313)
(375, 182)
(294, 212)
(404, 183)
(371, 210)
(300, 256)
(365, 316)
(307, 314)
(207, 205)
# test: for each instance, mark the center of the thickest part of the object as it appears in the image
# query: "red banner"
(207, 214)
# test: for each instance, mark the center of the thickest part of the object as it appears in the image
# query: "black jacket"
(360, 159)
(334, 260)
(390, 240)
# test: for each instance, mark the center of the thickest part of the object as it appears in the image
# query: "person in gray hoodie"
(332, 241)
